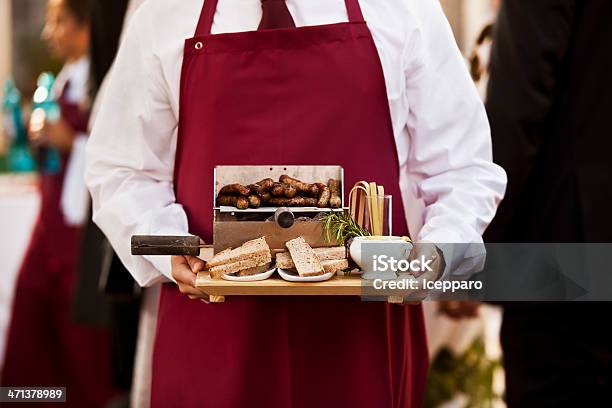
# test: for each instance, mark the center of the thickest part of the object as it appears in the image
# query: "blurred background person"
(45, 347)
(549, 100)
(480, 56)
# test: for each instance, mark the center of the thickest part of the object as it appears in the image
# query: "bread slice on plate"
(254, 271)
(252, 254)
(331, 253)
(216, 272)
(304, 258)
(284, 261)
(333, 266)
(221, 258)
(247, 250)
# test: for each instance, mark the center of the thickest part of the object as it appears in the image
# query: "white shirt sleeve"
(450, 153)
(75, 197)
(130, 156)
(74, 200)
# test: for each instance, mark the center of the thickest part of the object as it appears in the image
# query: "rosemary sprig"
(341, 226)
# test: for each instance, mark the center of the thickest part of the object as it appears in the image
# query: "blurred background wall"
(468, 17)
(5, 40)
(453, 9)
(20, 25)
(29, 55)
(25, 56)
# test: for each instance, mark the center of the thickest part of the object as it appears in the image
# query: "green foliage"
(341, 226)
(470, 374)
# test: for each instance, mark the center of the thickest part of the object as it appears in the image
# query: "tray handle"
(166, 245)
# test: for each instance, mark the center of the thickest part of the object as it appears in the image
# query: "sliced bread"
(255, 270)
(216, 272)
(220, 258)
(247, 250)
(304, 258)
(284, 261)
(331, 253)
(334, 266)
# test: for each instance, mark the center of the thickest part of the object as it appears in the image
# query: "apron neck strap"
(353, 10)
(210, 6)
(206, 18)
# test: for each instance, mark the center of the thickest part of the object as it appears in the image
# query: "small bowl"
(400, 251)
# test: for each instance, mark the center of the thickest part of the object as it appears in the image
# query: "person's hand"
(184, 272)
(456, 310)
(59, 135)
(55, 133)
(425, 251)
(428, 251)
(35, 129)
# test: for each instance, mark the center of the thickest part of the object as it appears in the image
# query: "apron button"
(199, 45)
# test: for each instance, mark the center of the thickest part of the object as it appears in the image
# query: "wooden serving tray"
(336, 286)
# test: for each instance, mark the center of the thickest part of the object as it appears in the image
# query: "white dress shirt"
(450, 186)
(74, 200)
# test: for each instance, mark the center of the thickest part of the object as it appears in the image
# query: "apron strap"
(210, 7)
(353, 10)
(206, 18)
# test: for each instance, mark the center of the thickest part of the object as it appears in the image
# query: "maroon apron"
(44, 346)
(296, 96)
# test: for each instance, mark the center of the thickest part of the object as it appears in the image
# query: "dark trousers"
(558, 355)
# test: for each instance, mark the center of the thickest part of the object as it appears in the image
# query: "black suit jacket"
(550, 105)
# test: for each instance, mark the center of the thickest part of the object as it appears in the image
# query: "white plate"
(250, 278)
(288, 276)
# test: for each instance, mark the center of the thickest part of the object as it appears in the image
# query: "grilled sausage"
(255, 189)
(265, 197)
(235, 189)
(240, 202)
(254, 201)
(283, 190)
(335, 201)
(310, 190)
(262, 187)
(266, 184)
(324, 195)
(293, 202)
(290, 191)
(277, 190)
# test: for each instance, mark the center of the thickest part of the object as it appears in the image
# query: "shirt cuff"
(163, 263)
(449, 243)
